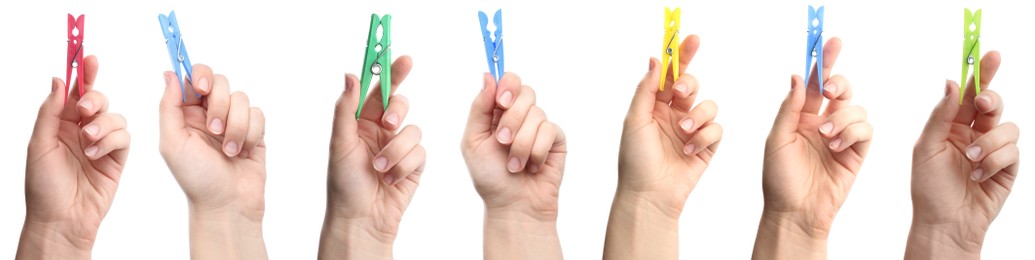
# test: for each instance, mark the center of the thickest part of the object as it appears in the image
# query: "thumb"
(48, 121)
(642, 107)
(480, 119)
(170, 110)
(345, 123)
(790, 111)
(940, 123)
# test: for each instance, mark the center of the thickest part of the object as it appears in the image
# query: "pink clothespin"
(75, 52)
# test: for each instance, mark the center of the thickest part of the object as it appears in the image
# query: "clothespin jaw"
(75, 52)
(670, 46)
(377, 61)
(177, 51)
(971, 50)
(493, 43)
(814, 46)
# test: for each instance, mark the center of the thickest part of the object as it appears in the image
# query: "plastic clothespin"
(493, 43)
(75, 52)
(377, 61)
(814, 46)
(177, 51)
(971, 50)
(670, 46)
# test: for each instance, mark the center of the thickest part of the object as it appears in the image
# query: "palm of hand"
(63, 184)
(804, 172)
(486, 160)
(671, 174)
(941, 185)
(199, 152)
(363, 192)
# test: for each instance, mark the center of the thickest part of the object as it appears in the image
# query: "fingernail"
(689, 149)
(834, 144)
(504, 135)
(687, 124)
(983, 101)
(231, 148)
(650, 67)
(514, 164)
(680, 87)
(973, 152)
(203, 84)
(506, 99)
(90, 151)
(977, 174)
(380, 163)
(826, 128)
(392, 118)
(830, 87)
(389, 179)
(86, 104)
(348, 84)
(216, 126)
(91, 129)
(534, 168)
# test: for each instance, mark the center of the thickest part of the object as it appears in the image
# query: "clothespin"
(377, 61)
(177, 52)
(670, 46)
(75, 52)
(814, 46)
(971, 50)
(493, 43)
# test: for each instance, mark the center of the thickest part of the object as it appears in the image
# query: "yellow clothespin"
(670, 47)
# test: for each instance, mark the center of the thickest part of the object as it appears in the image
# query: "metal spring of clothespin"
(971, 50)
(670, 46)
(377, 60)
(814, 45)
(75, 52)
(177, 51)
(493, 45)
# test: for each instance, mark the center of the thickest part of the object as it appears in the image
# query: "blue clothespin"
(814, 46)
(177, 52)
(493, 43)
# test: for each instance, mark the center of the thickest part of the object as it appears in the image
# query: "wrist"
(520, 235)
(350, 238)
(54, 240)
(640, 228)
(226, 234)
(790, 235)
(943, 241)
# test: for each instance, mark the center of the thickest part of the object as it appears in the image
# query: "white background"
(584, 60)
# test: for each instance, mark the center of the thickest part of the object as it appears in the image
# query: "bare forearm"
(349, 239)
(639, 229)
(511, 235)
(53, 241)
(943, 242)
(225, 235)
(783, 236)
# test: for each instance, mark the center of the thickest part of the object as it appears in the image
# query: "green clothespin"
(971, 50)
(377, 60)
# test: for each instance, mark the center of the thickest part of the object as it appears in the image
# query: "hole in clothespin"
(170, 29)
(375, 69)
(380, 31)
(75, 64)
(970, 60)
(377, 48)
(671, 23)
(815, 22)
(973, 27)
(74, 42)
(75, 31)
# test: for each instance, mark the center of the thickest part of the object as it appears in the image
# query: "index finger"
(814, 99)
(373, 107)
(989, 66)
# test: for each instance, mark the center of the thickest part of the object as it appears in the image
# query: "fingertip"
(380, 164)
(983, 103)
(977, 175)
(513, 165)
(231, 148)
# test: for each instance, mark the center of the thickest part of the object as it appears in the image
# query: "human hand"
(964, 165)
(811, 161)
(75, 159)
(667, 143)
(373, 172)
(213, 145)
(516, 160)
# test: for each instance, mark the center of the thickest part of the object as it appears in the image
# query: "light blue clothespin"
(493, 43)
(814, 47)
(177, 52)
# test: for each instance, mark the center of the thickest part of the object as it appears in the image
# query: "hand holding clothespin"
(177, 52)
(75, 52)
(670, 46)
(814, 45)
(971, 50)
(377, 61)
(493, 43)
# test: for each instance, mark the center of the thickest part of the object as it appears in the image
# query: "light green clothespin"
(971, 50)
(377, 61)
